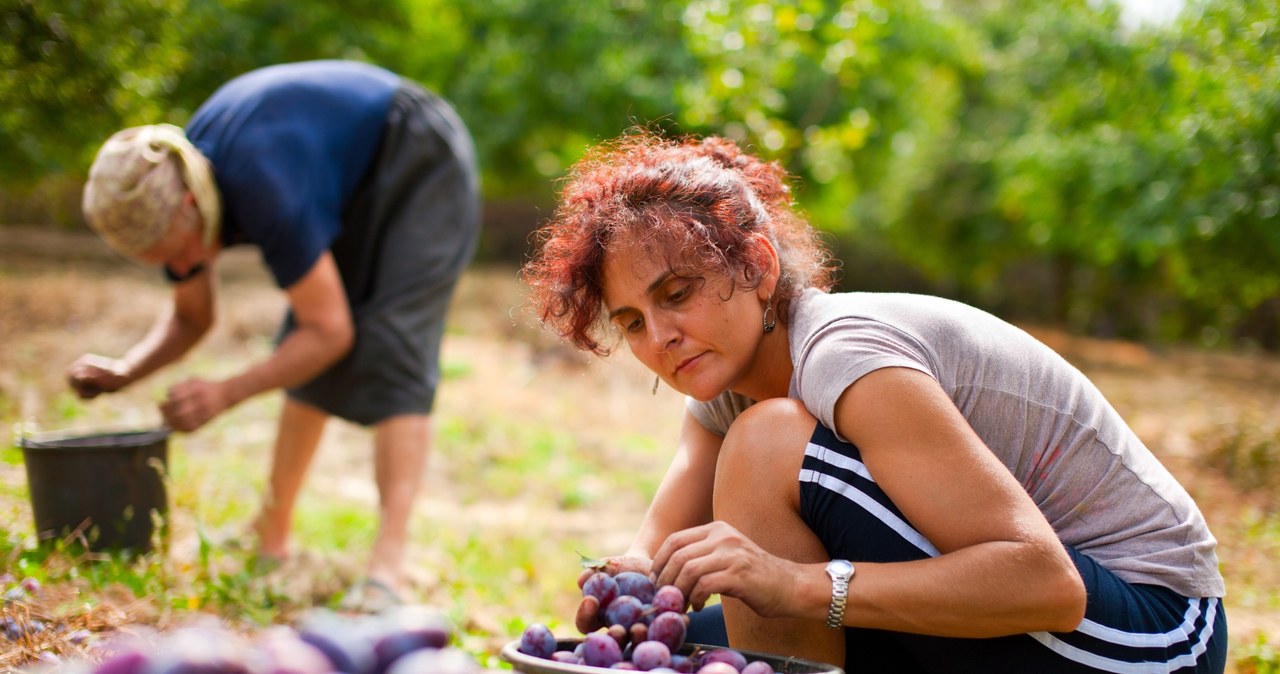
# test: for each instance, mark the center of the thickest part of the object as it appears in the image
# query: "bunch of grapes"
(407, 640)
(637, 627)
(631, 609)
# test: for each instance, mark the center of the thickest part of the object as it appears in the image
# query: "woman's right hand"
(588, 618)
(92, 374)
(717, 558)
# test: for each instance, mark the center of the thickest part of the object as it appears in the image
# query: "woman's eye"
(633, 325)
(684, 291)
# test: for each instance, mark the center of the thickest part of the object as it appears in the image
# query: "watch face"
(840, 567)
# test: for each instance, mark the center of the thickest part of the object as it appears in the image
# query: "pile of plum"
(638, 627)
(14, 625)
(407, 640)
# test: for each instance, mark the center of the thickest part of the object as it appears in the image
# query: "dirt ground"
(62, 294)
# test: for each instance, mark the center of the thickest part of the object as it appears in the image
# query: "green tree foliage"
(539, 80)
(1222, 130)
(70, 70)
(228, 37)
(1044, 159)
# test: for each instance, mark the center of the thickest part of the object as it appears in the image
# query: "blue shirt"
(289, 146)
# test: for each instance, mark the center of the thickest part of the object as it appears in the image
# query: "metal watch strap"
(841, 572)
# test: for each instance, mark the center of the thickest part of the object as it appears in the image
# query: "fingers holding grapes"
(636, 620)
(633, 622)
(716, 558)
(616, 565)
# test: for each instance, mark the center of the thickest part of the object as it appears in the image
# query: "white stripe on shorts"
(1090, 628)
(862, 500)
(1138, 640)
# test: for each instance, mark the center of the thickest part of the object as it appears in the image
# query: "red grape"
(758, 667)
(537, 641)
(725, 655)
(669, 629)
(668, 598)
(651, 655)
(682, 663)
(566, 656)
(279, 650)
(600, 650)
(635, 584)
(626, 610)
(602, 586)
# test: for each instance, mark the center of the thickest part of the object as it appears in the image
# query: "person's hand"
(587, 619)
(192, 403)
(716, 558)
(91, 375)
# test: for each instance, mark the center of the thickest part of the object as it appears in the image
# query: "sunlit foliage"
(1049, 160)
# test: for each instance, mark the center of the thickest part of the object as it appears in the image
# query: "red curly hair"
(698, 202)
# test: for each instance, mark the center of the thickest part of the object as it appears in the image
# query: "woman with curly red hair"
(884, 481)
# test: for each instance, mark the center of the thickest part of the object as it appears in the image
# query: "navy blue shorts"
(1127, 627)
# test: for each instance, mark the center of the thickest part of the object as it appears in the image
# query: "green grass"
(1260, 657)
(1249, 456)
(490, 580)
(536, 462)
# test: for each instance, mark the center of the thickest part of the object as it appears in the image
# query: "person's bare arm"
(683, 499)
(181, 327)
(1001, 568)
(323, 334)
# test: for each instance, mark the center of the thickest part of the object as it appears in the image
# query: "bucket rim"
(534, 665)
(113, 439)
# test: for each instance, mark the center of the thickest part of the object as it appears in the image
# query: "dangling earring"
(770, 316)
(654, 390)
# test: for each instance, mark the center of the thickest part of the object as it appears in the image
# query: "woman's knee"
(764, 448)
(769, 425)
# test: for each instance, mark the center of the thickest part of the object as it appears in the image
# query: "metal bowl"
(529, 664)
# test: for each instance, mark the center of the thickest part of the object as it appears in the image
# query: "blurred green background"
(1051, 161)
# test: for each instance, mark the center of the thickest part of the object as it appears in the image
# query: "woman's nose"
(662, 333)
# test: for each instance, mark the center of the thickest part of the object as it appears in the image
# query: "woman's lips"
(687, 363)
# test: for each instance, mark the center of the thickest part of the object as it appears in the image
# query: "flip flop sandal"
(369, 596)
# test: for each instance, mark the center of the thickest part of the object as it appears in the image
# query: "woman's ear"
(767, 263)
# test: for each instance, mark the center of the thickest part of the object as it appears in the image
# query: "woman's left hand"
(192, 403)
(716, 558)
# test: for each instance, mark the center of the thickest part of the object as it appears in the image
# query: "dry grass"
(542, 452)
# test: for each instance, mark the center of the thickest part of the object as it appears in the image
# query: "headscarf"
(137, 182)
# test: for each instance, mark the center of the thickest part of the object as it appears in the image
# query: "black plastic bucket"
(105, 486)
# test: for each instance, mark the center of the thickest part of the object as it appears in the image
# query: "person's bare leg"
(757, 490)
(297, 437)
(401, 445)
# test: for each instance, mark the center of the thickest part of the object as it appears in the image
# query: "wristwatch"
(841, 572)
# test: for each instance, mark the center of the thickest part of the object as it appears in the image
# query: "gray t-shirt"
(1100, 488)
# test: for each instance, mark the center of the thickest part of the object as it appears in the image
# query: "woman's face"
(679, 323)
